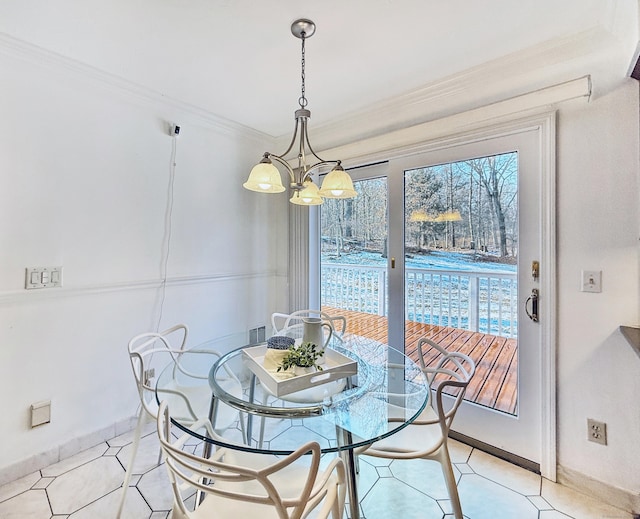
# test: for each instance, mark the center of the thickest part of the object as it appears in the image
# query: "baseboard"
(498, 453)
(614, 496)
(66, 450)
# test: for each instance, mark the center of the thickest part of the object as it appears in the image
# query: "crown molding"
(522, 71)
(448, 130)
(532, 69)
(116, 85)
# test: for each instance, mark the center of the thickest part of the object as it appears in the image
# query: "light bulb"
(337, 192)
(264, 186)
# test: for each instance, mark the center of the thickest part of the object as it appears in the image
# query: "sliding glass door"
(449, 245)
(354, 255)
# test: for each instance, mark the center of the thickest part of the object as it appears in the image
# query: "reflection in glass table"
(341, 414)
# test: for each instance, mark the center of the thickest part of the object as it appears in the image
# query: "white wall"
(84, 183)
(598, 229)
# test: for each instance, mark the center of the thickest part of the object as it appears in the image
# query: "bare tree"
(471, 203)
(496, 174)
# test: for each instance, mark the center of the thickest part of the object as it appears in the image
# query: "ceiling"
(238, 60)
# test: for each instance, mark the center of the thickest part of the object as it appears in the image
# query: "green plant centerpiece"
(305, 356)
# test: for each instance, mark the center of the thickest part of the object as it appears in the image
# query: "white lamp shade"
(307, 196)
(337, 184)
(264, 178)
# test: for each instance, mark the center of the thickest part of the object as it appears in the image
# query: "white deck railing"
(479, 301)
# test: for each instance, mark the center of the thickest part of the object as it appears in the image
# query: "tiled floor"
(86, 486)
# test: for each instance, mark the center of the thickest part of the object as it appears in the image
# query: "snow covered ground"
(440, 260)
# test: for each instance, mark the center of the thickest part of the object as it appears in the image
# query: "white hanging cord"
(166, 240)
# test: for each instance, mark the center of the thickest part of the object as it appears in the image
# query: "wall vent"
(257, 335)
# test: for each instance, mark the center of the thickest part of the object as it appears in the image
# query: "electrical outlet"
(148, 375)
(40, 413)
(596, 431)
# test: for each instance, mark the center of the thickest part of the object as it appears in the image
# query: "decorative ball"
(280, 342)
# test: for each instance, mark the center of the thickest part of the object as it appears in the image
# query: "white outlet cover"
(40, 413)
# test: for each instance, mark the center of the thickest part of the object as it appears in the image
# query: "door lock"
(535, 269)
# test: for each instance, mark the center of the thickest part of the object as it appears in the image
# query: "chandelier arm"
(305, 136)
(293, 140)
(282, 161)
(318, 165)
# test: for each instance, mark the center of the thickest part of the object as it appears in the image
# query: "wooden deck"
(494, 384)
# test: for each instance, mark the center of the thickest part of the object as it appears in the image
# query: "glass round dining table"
(366, 391)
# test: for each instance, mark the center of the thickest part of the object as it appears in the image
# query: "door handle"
(534, 305)
(393, 263)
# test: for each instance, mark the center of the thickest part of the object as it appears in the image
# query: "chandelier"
(265, 177)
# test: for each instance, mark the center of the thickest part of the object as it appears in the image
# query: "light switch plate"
(43, 277)
(591, 281)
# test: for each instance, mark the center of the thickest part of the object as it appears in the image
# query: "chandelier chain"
(303, 100)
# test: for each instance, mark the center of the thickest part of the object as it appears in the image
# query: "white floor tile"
(575, 504)
(18, 486)
(424, 475)
(483, 499)
(75, 461)
(43, 483)
(459, 452)
(464, 468)
(147, 454)
(107, 506)
(367, 477)
(32, 504)
(516, 478)
(81, 486)
(384, 472)
(540, 502)
(390, 499)
(156, 488)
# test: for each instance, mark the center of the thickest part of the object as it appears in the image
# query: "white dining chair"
(235, 484)
(280, 321)
(448, 375)
(189, 389)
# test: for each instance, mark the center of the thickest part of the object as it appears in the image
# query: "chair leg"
(134, 449)
(243, 429)
(450, 480)
(261, 438)
(265, 399)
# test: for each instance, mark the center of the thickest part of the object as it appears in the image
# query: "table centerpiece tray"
(336, 367)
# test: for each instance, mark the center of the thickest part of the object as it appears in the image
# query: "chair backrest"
(448, 374)
(168, 344)
(280, 321)
(187, 385)
(220, 476)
